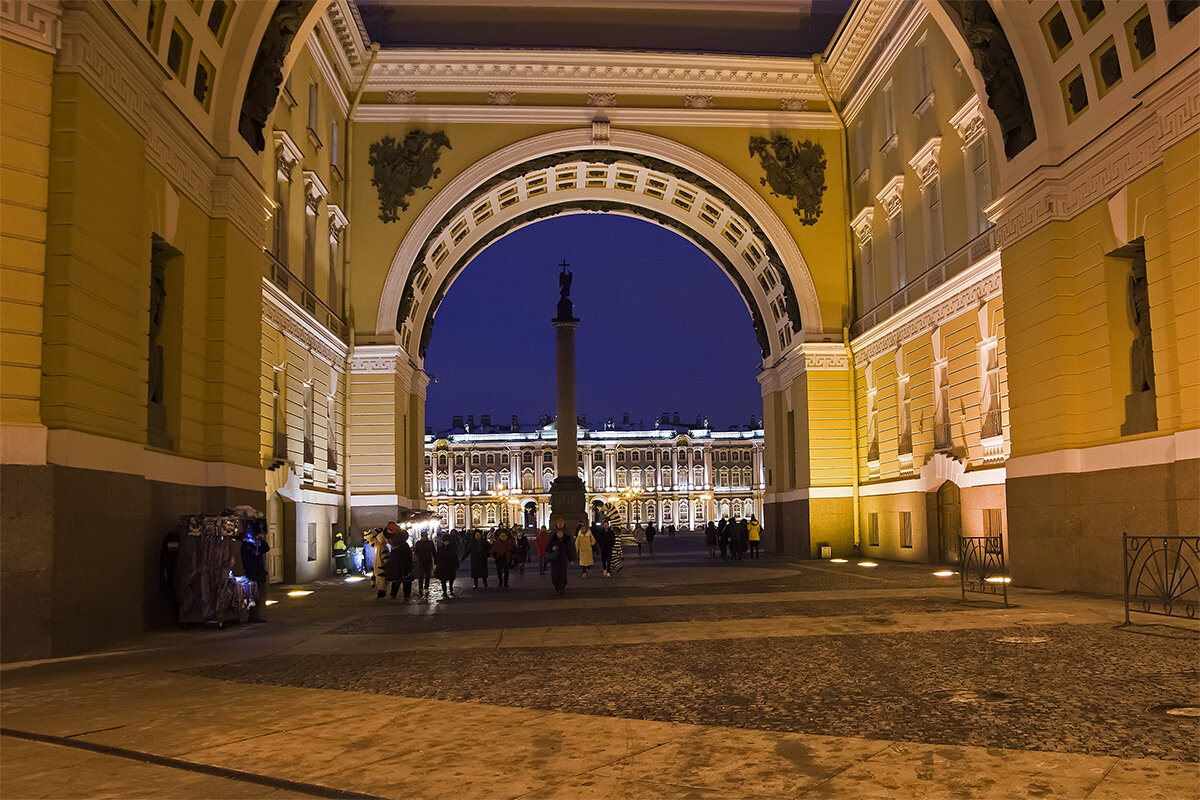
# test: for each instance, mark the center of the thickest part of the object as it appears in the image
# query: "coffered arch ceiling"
(636, 174)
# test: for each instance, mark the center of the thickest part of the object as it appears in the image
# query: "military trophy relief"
(399, 170)
(793, 170)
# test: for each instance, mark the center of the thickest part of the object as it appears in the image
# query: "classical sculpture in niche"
(266, 75)
(402, 169)
(796, 171)
(1141, 352)
(993, 56)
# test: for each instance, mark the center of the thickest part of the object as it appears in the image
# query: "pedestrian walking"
(424, 554)
(738, 539)
(400, 565)
(584, 544)
(540, 541)
(378, 538)
(617, 560)
(639, 537)
(723, 537)
(606, 538)
(254, 566)
(710, 539)
(559, 554)
(478, 551)
(341, 561)
(502, 552)
(447, 565)
(650, 534)
(753, 535)
(521, 551)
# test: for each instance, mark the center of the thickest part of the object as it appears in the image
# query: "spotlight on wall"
(299, 593)
(867, 564)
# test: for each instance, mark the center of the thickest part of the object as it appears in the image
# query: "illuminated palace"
(670, 473)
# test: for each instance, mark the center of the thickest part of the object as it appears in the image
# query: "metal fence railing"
(1161, 574)
(981, 566)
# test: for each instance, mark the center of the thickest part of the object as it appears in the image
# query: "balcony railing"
(958, 261)
(304, 297)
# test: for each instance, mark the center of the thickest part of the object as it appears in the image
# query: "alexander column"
(566, 492)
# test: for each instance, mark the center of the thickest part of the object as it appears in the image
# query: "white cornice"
(35, 23)
(969, 122)
(891, 196)
(584, 115)
(925, 161)
(559, 72)
(316, 49)
(825, 356)
(880, 67)
(282, 312)
(287, 154)
(965, 291)
(858, 37)
(314, 187)
(862, 222)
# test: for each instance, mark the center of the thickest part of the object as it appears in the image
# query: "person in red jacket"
(502, 550)
(539, 541)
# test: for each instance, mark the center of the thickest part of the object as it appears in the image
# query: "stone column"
(567, 495)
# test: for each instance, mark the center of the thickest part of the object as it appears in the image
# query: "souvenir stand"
(209, 552)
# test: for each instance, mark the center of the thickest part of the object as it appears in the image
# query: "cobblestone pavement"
(1084, 689)
(421, 620)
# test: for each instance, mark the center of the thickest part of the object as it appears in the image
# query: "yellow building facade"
(989, 325)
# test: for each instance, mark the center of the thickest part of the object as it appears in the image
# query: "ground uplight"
(837, 561)
(299, 593)
(271, 602)
(867, 564)
(944, 573)
(999, 580)
(355, 579)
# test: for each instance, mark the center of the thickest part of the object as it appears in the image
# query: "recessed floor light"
(270, 602)
(355, 579)
(867, 564)
(299, 593)
(999, 580)
(838, 561)
(944, 573)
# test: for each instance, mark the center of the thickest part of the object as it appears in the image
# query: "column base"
(568, 502)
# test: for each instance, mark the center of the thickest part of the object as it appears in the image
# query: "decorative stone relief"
(337, 222)
(968, 121)
(993, 56)
(601, 99)
(314, 190)
(891, 196)
(402, 97)
(862, 224)
(698, 101)
(601, 131)
(925, 162)
(502, 98)
(266, 75)
(287, 156)
(793, 104)
(1141, 413)
(402, 169)
(796, 171)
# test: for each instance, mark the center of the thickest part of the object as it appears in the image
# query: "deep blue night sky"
(661, 328)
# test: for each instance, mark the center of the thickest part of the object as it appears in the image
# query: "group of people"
(399, 564)
(734, 538)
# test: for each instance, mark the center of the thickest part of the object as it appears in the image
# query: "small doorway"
(531, 514)
(949, 516)
(275, 528)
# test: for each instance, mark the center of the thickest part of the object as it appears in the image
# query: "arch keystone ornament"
(402, 169)
(795, 171)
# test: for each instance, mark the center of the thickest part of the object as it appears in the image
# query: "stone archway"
(631, 172)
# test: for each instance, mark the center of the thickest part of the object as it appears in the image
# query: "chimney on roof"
(485, 420)
(471, 420)
(676, 417)
(625, 420)
(583, 420)
(516, 426)
(458, 422)
(666, 418)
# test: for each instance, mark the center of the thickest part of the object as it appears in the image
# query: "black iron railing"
(981, 566)
(1161, 575)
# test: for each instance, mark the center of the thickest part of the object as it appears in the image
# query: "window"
(310, 245)
(491, 458)
(313, 98)
(335, 151)
(202, 85)
(866, 261)
(873, 529)
(993, 522)
(547, 457)
(476, 482)
(924, 73)
(475, 459)
(527, 458)
(312, 541)
(979, 185)
(899, 261)
(622, 478)
(309, 449)
(989, 400)
(889, 116)
(218, 18)
(906, 529)
(933, 217)
(178, 48)
(724, 455)
(490, 481)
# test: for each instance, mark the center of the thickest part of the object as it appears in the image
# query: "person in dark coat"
(736, 530)
(560, 554)
(650, 534)
(723, 537)
(521, 551)
(479, 551)
(254, 547)
(502, 552)
(400, 565)
(447, 566)
(424, 553)
(710, 539)
(606, 539)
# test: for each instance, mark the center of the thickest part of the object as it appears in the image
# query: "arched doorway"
(530, 511)
(949, 517)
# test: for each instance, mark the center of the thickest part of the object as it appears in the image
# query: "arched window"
(622, 478)
(491, 515)
(667, 512)
(648, 480)
(698, 512)
(598, 479)
(428, 482)
(491, 458)
(527, 480)
(650, 455)
(547, 479)
(683, 511)
(597, 456)
(527, 457)
(490, 481)
(460, 482)
(723, 477)
(427, 462)
(697, 477)
(724, 512)
(650, 509)
(460, 517)
(748, 507)
(548, 456)
(475, 458)
(443, 512)
(635, 476)
(476, 481)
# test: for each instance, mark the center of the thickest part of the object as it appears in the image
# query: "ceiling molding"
(591, 72)
(880, 67)
(584, 115)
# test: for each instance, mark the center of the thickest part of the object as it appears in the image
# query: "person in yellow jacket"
(755, 529)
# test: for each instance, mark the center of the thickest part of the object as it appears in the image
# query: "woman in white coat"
(584, 542)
